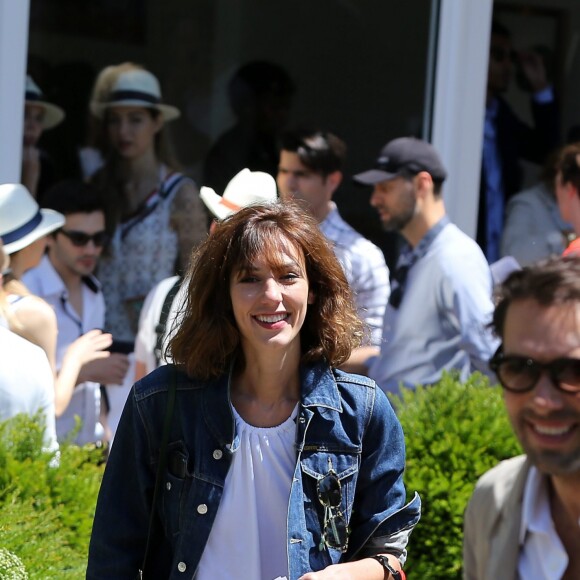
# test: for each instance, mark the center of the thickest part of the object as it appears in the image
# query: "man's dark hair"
(568, 165)
(73, 196)
(552, 281)
(437, 183)
(320, 151)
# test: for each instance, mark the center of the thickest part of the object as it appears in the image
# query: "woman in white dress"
(154, 214)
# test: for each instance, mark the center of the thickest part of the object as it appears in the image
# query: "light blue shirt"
(441, 323)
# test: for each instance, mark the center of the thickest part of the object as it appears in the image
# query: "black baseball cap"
(404, 154)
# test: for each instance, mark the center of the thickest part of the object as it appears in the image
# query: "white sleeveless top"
(248, 540)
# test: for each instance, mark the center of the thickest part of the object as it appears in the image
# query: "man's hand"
(106, 371)
(534, 69)
(97, 364)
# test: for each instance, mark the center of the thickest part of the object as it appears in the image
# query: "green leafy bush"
(11, 566)
(46, 510)
(454, 432)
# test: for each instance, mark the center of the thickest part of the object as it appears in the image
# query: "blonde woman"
(154, 213)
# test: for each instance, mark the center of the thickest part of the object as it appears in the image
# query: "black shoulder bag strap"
(162, 324)
(160, 466)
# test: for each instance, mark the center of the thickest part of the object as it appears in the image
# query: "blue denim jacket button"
(182, 566)
(217, 454)
(168, 486)
(202, 509)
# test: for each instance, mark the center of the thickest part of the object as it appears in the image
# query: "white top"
(146, 339)
(365, 269)
(44, 281)
(143, 251)
(542, 557)
(249, 535)
(26, 382)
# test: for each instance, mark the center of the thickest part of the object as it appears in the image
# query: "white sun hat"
(53, 115)
(245, 188)
(22, 222)
(136, 88)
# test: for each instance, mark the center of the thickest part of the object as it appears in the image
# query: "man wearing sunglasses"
(523, 520)
(64, 278)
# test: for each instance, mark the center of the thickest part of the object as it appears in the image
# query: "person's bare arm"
(31, 169)
(110, 370)
(358, 360)
(189, 220)
(88, 347)
(365, 569)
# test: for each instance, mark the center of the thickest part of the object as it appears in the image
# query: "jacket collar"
(51, 284)
(49, 281)
(505, 547)
(318, 389)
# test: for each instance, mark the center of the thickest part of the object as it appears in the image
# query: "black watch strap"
(384, 561)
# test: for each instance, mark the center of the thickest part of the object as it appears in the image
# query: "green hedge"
(454, 432)
(46, 510)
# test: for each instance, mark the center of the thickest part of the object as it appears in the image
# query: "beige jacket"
(491, 543)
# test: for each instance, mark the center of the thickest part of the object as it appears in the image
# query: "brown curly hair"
(208, 338)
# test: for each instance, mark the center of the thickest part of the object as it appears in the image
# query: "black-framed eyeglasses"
(519, 374)
(335, 530)
(80, 239)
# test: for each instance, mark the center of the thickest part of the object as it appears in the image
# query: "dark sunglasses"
(80, 239)
(335, 531)
(520, 374)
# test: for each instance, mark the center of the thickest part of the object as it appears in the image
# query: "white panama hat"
(136, 88)
(245, 188)
(22, 222)
(53, 115)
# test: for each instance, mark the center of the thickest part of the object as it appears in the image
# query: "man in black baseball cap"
(405, 154)
(440, 301)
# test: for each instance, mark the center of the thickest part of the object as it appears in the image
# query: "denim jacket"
(342, 417)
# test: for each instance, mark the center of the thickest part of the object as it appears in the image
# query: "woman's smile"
(271, 298)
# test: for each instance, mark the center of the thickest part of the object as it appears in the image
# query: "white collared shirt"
(542, 555)
(44, 281)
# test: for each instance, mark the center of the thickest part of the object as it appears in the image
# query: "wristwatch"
(384, 561)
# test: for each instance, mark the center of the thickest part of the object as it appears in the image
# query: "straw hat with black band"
(33, 96)
(135, 88)
(22, 221)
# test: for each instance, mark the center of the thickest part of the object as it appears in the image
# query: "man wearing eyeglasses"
(507, 139)
(64, 278)
(523, 520)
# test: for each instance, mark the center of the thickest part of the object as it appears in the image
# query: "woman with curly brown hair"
(277, 464)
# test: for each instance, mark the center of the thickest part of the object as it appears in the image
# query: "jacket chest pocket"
(329, 482)
(175, 487)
